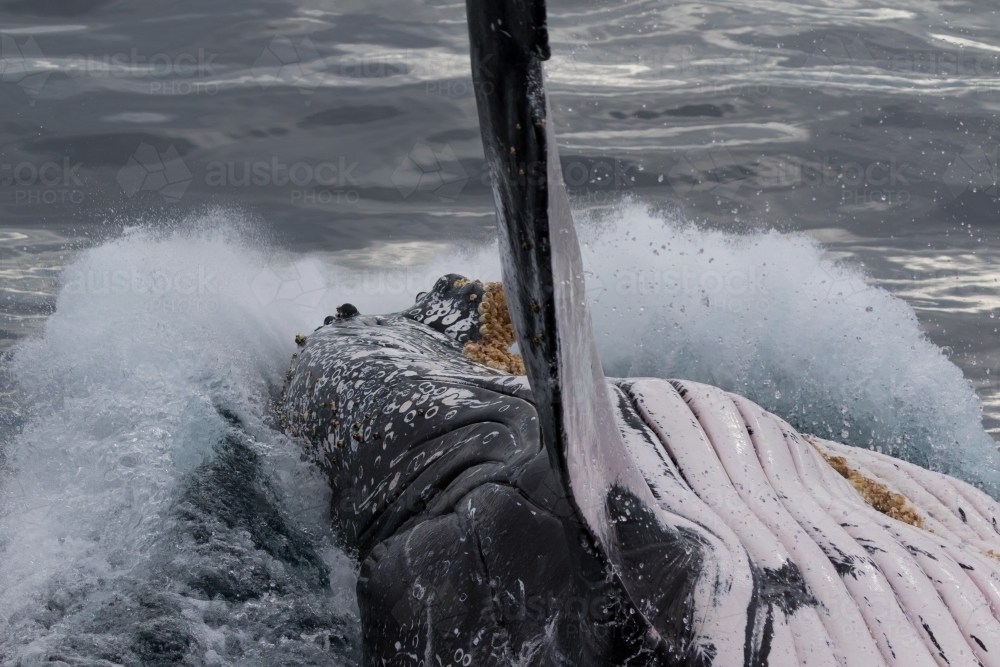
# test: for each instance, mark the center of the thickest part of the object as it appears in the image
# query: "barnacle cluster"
(891, 504)
(497, 333)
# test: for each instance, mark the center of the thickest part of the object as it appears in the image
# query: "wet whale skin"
(471, 551)
(441, 488)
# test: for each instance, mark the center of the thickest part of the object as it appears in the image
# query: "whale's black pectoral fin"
(543, 277)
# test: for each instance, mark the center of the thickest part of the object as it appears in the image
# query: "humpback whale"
(525, 509)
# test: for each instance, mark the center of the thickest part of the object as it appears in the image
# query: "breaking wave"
(766, 315)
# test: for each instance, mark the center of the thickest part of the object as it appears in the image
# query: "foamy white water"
(765, 315)
(139, 526)
(133, 530)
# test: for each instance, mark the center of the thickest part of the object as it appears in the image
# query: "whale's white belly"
(904, 562)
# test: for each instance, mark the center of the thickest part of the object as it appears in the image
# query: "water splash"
(767, 316)
(148, 515)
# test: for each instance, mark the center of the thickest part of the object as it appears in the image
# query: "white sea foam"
(766, 315)
(120, 517)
